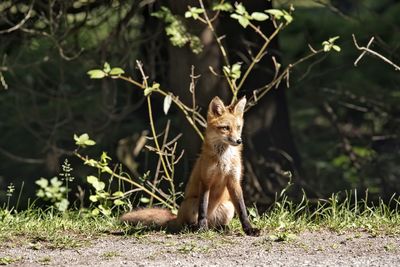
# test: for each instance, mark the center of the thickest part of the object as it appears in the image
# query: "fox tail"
(151, 217)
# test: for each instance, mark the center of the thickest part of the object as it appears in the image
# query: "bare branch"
(22, 22)
(21, 159)
(368, 50)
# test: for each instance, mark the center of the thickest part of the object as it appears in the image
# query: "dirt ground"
(322, 248)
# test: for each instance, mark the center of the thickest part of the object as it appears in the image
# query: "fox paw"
(252, 231)
(202, 225)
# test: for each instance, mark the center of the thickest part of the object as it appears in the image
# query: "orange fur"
(213, 191)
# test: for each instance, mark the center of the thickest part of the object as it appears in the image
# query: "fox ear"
(216, 107)
(238, 109)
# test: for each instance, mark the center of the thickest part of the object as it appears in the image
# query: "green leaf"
(106, 67)
(236, 67)
(118, 194)
(99, 186)
(118, 202)
(42, 182)
(96, 74)
(233, 72)
(244, 21)
(91, 162)
(327, 48)
(188, 14)
(328, 45)
(103, 194)
(95, 212)
(194, 12)
(333, 39)
(55, 182)
(240, 9)
(105, 210)
(116, 71)
(278, 14)
(167, 103)
(93, 198)
(83, 140)
(92, 179)
(144, 200)
(155, 86)
(223, 7)
(259, 16)
(336, 48)
(236, 16)
(106, 169)
(62, 205)
(90, 142)
(40, 193)
(287, 17)
(104, 157)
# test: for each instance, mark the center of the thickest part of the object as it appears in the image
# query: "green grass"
(37, 228)
(9, 260)
(336, 213)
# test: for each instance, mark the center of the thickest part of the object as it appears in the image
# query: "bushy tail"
(155, 217)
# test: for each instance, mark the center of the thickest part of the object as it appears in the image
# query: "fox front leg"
(203, 208)
(236, 193)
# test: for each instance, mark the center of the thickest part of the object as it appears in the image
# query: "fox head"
(225, 123)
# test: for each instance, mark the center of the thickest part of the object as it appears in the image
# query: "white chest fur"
(229, 161)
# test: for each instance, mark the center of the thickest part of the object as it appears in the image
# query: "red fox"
(213, 192)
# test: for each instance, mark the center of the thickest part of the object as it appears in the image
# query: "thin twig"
(258, 56)
(211, 27)
(260, 92)
(22, 22)
(185, 109)
(367, 49)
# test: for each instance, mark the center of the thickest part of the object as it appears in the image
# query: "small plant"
(9, 193)
(54, 192)
(66, 176)
(105, 200)
(330, 44)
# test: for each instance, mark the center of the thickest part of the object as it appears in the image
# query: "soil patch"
(321, 248)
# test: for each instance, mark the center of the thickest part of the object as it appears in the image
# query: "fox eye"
(238, 127)
(225, 128)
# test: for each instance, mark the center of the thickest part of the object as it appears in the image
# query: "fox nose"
(239, 141)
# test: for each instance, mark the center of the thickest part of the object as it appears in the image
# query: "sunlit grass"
(37, 228)
(52, 229)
